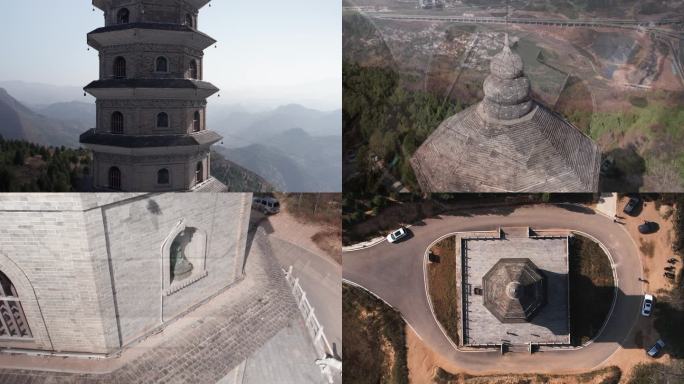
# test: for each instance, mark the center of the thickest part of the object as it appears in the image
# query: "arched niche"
(183, 254)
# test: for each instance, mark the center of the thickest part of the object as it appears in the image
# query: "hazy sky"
(270, 52)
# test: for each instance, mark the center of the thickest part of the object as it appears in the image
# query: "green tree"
(376, 144)
(19, 157)
(389, 143)
(408, 146)
(6, 179)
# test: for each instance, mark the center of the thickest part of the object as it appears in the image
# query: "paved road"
(320, 278)
(318, 274)
(608, 23)
(394, 272)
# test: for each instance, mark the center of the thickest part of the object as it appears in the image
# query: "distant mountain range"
(292, 147)
(241, 128)
(235, 177)
(21, 123)
(295, 148)
(293, 161)
(37, 95)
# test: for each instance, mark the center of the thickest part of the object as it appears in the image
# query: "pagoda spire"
(506, 89)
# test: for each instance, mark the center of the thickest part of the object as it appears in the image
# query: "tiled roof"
(129, 141)
(211, 185)
(513, 290)
(507, 143)
(151, 83)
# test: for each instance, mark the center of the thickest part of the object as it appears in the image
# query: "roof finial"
(506, 44)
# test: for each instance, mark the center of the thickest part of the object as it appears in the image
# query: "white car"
(396, 235)
(267, 205)
(647, 307)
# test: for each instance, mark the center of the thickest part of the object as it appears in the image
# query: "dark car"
(648, 227)
(656, 348)
(632, 206)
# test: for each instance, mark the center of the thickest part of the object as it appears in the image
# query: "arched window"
(13, 322)
(117, 126)
(189, 21)
(162, 120)
(114, 178)
(162, 65)
(119, 67)
(123, 16)
(163, 176)
(196, 122)
(199, 173)
(194, 72)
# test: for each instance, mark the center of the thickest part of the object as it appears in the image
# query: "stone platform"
(205, 346)
(479, 253)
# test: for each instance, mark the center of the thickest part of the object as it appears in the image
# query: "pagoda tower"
(151, 101)
(508, 142)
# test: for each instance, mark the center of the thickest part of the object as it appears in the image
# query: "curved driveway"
(394, 272)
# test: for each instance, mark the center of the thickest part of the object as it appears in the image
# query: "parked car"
(397, 235)
(656, 348)
(608, 166)
(647, 306)
(648, 227)
(267, 205)
(632, 206)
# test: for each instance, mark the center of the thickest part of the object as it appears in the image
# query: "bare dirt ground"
(656, 249)
(442, 286)
(668, 80)
(317, 238)
(423, 364)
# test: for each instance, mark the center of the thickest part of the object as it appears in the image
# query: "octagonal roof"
(507, 143)
(514, 290)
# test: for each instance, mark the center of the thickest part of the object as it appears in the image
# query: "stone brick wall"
(136, 231)
(156, 11)
(141, 60)
(140, 173)
(44, 237)
(87, 267)
(140, 116)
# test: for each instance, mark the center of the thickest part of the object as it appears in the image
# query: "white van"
(267, 205)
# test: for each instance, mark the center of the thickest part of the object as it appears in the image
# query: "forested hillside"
(27, 167)
(384, 124)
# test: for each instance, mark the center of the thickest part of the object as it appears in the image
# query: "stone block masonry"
(91, 270)
(480, 254)
(208, 347)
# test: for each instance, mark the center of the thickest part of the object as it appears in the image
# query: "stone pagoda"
(151, 101)
(507, 143)
(514, 290)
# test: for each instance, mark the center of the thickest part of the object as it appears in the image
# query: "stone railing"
(312, 324)
(329, 364)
